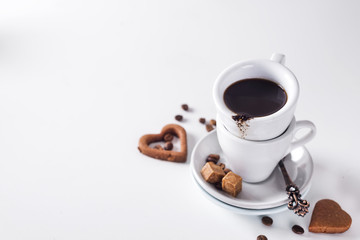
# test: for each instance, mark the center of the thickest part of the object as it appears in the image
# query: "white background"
(82, 81)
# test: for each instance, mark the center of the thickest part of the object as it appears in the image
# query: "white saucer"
(240, 210)
(254, 196)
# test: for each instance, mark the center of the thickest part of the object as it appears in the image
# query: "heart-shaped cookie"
(328, 217)
(172, 156)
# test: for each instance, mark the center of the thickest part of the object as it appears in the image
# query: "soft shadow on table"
(191, 141)
(336, 183)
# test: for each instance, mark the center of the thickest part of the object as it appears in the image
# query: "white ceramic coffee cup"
(254, 161)
(266, 127)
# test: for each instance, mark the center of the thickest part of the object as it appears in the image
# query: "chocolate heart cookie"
(168, 155)
(328, 217)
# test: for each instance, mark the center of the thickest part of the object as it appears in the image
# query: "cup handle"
(278, 57)
(307, 137)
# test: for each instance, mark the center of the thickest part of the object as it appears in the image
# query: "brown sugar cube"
(222, 165)
(212, 173)
(232, 184)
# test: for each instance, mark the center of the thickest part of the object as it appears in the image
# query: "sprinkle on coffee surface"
(242, 123)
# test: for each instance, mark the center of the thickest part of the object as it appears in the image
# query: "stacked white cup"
(254, 154)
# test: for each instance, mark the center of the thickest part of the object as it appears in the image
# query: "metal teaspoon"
(298, 205)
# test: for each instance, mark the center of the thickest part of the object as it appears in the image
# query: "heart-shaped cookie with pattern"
(168, 155)
(328, 217)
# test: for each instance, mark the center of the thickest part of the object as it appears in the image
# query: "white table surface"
(81, 81)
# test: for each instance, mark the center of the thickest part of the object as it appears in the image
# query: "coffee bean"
(297, 229)
(216, 156)
(218, 185)
(211, 159)
(185, 107)
(202, 120)
(267, 221)
(261, 237)
(179, 117)
(159, 147)
(209, 127)
(168, 146)
(168, 137)
(212, 122)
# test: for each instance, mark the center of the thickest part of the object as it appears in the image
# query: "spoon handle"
(298, 205)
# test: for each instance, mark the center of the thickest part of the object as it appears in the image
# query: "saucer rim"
(239, 210)
(304, 188)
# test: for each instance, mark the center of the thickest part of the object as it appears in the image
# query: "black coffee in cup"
(255, 97)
